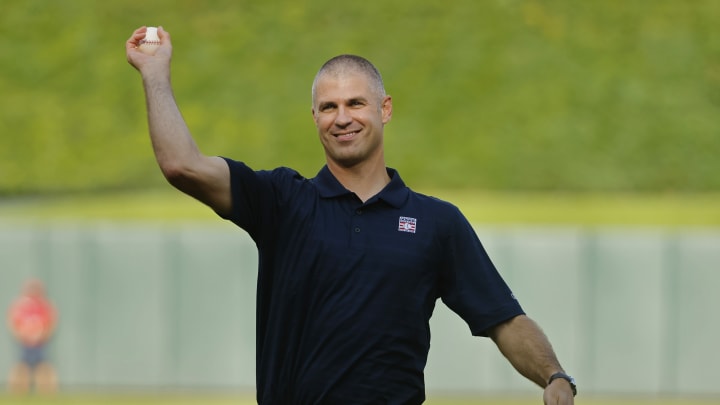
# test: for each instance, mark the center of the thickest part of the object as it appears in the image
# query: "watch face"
(571, 380)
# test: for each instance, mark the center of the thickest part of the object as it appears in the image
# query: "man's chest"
(341, 239)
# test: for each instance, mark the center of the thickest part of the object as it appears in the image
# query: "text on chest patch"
(407, 224)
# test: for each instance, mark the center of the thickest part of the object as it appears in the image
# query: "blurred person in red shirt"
(32, 319)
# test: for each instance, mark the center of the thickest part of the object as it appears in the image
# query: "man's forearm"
(171, 140)
(527, 348)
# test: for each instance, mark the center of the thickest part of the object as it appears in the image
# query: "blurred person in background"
(351, 262)
(32, 319)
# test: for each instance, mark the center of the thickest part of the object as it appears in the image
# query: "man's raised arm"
(203, 177)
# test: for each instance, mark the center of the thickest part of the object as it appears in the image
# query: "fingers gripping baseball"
(146, 44)
(151, 42)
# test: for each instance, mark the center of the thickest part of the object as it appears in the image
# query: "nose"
(343, 118)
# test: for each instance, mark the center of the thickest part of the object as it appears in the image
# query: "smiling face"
(350, 113)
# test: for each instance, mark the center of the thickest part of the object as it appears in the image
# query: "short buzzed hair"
(343, 64)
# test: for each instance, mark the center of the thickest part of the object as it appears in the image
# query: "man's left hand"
(558, 393)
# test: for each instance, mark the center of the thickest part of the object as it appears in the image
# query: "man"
(31, 320)
(351, 262)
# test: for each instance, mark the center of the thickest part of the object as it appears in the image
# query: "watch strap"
(566, 378)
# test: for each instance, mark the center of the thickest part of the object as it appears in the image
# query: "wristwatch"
(564, 377)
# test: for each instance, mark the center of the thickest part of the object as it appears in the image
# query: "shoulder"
(282, 175)
(244, 178)
(443, 209)
(241, 169)
(448, 220)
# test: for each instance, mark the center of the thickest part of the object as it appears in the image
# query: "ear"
(386, 109)
(315, 117)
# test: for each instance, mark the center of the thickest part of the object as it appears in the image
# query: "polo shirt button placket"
(358, 212)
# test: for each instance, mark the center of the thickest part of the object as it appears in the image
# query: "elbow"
(178, 175)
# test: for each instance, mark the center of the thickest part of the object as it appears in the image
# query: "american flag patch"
(407, 224)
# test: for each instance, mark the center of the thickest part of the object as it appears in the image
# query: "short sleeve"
(257, 196)
(471, 286)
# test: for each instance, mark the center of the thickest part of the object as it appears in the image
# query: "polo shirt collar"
(395, 193)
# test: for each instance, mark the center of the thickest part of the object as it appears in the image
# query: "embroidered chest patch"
(407, 224)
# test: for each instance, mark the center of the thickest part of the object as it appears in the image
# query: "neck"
(365, 179)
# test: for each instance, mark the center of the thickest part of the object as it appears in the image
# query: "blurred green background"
(497, 95)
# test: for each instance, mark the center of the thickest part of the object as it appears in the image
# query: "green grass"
(702, 210)
(504, 95)
(193, 399)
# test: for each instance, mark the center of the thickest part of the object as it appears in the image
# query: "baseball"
(151, 42)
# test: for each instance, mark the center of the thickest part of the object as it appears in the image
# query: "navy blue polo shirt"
(346, 289)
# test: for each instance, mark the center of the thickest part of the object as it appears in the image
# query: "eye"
(325, 107)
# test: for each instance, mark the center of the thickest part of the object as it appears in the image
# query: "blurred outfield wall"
(152, 307)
